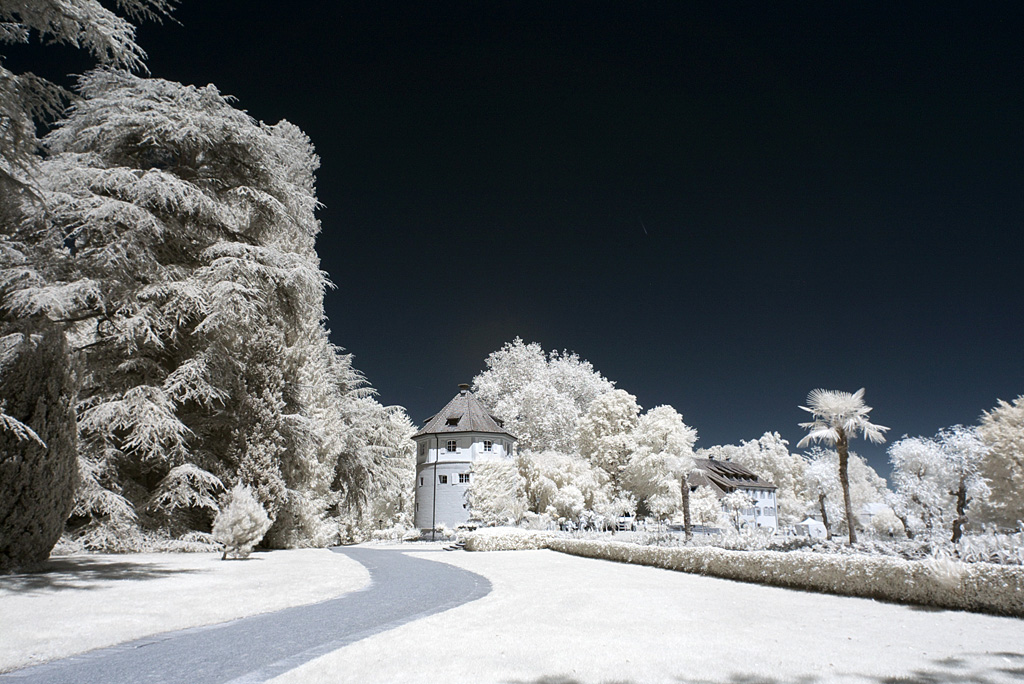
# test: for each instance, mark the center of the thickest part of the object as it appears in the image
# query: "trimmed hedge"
(983, 587)
(943, 583)
(506, 539)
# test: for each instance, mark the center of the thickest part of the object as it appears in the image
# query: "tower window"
(443, 479)
(463, 478)
(451, 445)
(421, 482)
(488, 444)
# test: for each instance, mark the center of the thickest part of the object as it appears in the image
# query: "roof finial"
(463, 387)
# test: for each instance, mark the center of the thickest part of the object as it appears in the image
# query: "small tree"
(706, 507)
(963, 451)
(241, 522)
(736, 502)
(496, 495)
(838, 416)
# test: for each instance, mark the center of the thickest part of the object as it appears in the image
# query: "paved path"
(258, 648)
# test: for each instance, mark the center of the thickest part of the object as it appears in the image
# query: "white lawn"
(85, 602)
(559, 619)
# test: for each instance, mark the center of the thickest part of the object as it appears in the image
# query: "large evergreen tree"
(177, 240)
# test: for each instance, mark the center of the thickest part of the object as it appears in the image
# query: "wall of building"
(438, 472)
(765, 512)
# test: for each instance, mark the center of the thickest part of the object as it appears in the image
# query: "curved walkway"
(255, 649)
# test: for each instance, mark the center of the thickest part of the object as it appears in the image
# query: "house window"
(488, 444)
(463, 478)
(451, 445)
(443, 479)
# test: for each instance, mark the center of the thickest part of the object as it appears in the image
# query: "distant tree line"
(587, 452)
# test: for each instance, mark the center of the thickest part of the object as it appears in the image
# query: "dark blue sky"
(721, 205)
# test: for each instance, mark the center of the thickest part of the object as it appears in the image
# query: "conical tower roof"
(464, 413)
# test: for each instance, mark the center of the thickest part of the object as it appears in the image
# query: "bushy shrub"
(397, 532)
(992, 547)
(505, 539)
(241, 522)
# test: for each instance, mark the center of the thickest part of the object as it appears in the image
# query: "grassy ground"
(559, 619)
(82, 602)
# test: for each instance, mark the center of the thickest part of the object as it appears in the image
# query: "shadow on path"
(968, 668)
(255, 649)
(83, 573)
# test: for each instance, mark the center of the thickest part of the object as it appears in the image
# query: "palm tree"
(838, 416)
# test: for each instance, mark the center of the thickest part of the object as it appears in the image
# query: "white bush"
(506, 539)
(241, 522)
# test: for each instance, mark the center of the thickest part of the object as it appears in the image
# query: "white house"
(726, 476)
(446, 448)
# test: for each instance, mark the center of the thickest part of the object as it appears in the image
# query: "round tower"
(460, 434)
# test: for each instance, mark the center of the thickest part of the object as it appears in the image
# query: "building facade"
(460, 434)
(725, 477)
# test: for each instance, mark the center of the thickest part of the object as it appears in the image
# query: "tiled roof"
(464, 413)
(727, 475)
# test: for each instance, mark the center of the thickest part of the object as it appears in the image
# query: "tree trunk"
(687, 525)
(37, 483)
(824, 516)
(844, 479)
(906, 526)
(961, 508)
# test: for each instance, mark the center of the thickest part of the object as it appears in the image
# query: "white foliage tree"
(706, 507)
(920, 497)
(769, 458)
(656, 473)
(497, 495)
(606, 434)
(821, 479)
(838, 417)
(26, 99)
(936, 480)
(963, 452)
(547, 473)
(1002, 430)
(241, 523)
(738, 503)
(825, 491)
(177, 242)
(47, 462)
(539, 396)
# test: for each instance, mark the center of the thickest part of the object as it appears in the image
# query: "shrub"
(241, 522)
(505, 539)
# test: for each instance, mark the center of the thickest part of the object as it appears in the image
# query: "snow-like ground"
(85, 602)
(559, 619)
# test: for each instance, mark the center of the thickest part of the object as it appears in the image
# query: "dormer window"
(453, 420)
